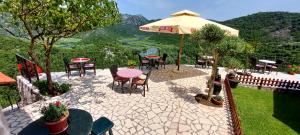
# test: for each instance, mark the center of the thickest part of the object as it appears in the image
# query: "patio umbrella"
(183, 22)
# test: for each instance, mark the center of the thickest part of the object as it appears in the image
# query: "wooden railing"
(234, 115)
(268, 82)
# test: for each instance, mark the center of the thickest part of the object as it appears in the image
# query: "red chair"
(113, 70)
(163, 60)
(143, 62)
(71, 67)
(142, 82)
(90, 65)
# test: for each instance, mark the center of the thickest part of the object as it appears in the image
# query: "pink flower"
(57, 103)
(289, 66)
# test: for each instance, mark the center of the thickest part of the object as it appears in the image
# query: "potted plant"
(131, 63)
(233, 81)
(217, 100)
(217, 88)
(55, 116)
(293, 69)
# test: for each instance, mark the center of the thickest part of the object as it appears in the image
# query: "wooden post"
(180, 49)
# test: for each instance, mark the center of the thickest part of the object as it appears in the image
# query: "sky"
(219, 10)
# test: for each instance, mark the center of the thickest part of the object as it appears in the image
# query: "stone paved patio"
(169, 107)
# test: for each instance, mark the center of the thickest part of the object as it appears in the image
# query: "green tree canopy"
(51, 20)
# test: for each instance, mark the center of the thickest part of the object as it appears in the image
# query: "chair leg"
(147, 87)
(110, 132)
(94, 71)
(113, 83)
(69, 74)
(144, 90)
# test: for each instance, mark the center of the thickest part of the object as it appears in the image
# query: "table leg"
(130, 83)
(265, 68)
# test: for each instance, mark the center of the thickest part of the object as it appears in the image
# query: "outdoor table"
(80, 123)
(152, 59)
(129, 73)
(207, 58)
(266, 62)
(80, 61)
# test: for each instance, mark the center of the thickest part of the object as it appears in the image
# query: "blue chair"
(102, 125)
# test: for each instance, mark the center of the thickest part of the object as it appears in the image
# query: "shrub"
(54, 112)
(42, 85)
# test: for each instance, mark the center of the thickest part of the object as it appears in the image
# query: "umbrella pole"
(180, 49)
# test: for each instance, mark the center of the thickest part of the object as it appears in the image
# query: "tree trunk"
(180, 50)
(31, 54)
(213, 73)
(48, 69)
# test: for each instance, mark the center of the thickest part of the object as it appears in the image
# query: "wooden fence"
(234, 115)
(268, 82)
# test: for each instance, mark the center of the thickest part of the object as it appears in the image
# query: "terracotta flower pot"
(216, 102)
(291, 73)
(58, 126)
(131, 67)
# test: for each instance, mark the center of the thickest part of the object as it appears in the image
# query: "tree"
(47, 21)
(210, 35)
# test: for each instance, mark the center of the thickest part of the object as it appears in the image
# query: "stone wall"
(28, 93)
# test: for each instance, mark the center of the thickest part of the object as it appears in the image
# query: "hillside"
(268, 26)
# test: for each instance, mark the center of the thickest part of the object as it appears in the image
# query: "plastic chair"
(101, 126)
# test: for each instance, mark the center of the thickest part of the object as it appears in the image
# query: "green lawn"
(267, 113)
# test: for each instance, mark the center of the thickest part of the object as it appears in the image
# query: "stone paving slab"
(169, 107)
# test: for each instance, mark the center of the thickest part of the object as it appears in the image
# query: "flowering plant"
(293, 68)
(131, 63)
(54, 111)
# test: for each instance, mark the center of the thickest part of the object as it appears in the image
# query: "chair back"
(253, 61)
(279, 62)
(164, 58)
(113, 70)
(140, 58)
(148, 76)
(197, 57)
(66, 63)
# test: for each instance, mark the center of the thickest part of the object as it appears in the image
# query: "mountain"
(268, 26)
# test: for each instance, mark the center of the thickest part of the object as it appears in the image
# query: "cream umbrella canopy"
(183, 22)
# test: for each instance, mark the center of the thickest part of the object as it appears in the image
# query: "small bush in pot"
(131, 63)
(217, 88)
(233, 81)
(55, 116)
(217, 100)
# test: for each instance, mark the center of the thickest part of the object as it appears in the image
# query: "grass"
(265, 112)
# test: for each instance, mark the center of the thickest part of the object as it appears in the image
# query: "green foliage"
(293, 68)
(131, 63)
(231, 63)
(211, 34)
(42, 85)
(54, 112)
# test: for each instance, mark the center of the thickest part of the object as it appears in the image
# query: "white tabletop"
(267, 61)
(207, 57)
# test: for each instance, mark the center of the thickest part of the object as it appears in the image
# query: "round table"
(80, 123)
(207, 59)
(266, 62)
(80, 61)
(152, 59)
(129, 73)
